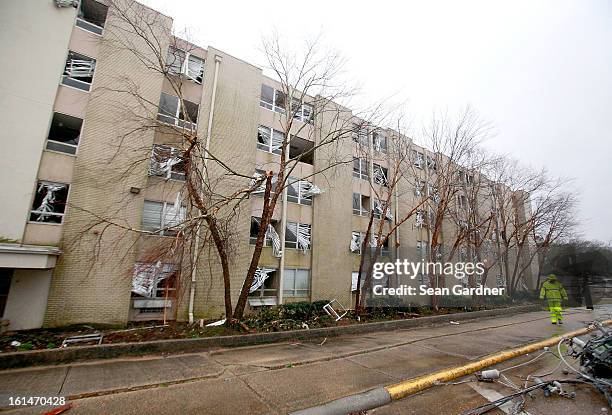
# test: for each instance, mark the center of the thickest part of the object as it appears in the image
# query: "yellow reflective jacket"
(553, 290)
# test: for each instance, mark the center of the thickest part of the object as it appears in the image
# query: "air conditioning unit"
(67, 3)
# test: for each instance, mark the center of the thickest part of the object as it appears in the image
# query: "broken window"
(154, 280)
(49, 204)
(297, 235)
(419, 219)
(255, 227)
(301, 111)
(298, 147)
(266, 99)
(361, 204)
(184, 63)
(419, 189)
(163, 218)
(462, 201)
(265, 283)
(280, 101)
(379, 140)
(384, 249)
(261, 188)
(271, 237)
(431, 163)
(360, 134)
(92, 16)
(298, 191)
(171, 112)
(356, 240)
(360, 168)
(421, 248)
(381, 175)
(269, 140)
(418, 159)
(296, 282)
(79, 71)
(167, 162)
(64, 133)
(378, 210)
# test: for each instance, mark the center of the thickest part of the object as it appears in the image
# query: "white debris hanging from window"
(378, 210)
(419, 219)
(46, 206)
(261, 274)
(308, 189)
(355, 246)
(258, 183)
(147, 276)
(379, 175)
(163, 159)
(303, 238)
(80, 68)
(175, 215)
(275, 239)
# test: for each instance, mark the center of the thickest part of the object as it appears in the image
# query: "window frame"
(161, 231)
(177, 121)
(86, 24)
(268, 148)
(300, 199)
(179, 176)
(61, 215)
(75, 82)
(362, 211)
(261, 291)
(60, 143)
(418, 159)
(253, 238)
(293, 292)
(295, 244)
(184, 65)
(359, 173)
(385, 173)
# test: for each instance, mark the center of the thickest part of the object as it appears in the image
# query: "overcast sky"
(540, 71)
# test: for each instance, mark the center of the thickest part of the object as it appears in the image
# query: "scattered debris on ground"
(291, 316)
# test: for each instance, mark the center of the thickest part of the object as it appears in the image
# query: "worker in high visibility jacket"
(552, 290)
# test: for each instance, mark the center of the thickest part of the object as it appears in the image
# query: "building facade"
(84, 177)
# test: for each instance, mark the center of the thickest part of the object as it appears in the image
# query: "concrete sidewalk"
(277, 378)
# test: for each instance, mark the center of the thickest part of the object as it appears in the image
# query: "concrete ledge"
(106, 351)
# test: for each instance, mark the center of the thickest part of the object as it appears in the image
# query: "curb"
(106, 351)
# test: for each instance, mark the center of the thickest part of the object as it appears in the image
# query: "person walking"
(552, 290)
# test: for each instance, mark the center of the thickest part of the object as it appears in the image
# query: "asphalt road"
(280, 378)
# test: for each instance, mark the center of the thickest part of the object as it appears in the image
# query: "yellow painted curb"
(411, 386)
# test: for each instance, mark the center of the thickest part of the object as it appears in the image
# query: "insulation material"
(277, 140)
(258, 183)
(419, 219)
(275, 239)
(175, 214)
(355, 242)
(301, 234)
(80, 68)
(303, 237)
(354, 277)
(163, 159)
(379, 210)
(261, 275)
(47, 203)
(308, 189)
(379, 175)
(377, 142)
(147, 275)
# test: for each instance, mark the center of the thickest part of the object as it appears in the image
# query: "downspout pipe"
(196, 249)
(283, 231)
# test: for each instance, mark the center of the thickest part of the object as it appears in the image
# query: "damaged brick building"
(62, 167)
